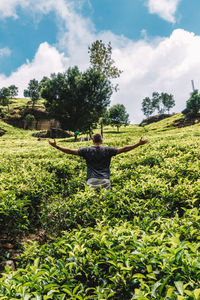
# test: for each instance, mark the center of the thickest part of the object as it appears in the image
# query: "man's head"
(97, 138)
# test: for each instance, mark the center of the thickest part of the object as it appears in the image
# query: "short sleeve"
(112, 151)
(82, 152)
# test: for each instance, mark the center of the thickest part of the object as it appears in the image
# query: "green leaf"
(155, 286)
(149, 268)
(68, 292)
(179, 286)
(138, 275)
(197, 294)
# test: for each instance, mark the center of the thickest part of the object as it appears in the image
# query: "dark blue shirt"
(98, 160)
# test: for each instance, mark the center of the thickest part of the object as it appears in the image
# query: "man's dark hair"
(97, 138)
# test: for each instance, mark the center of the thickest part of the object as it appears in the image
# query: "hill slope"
(138, 241)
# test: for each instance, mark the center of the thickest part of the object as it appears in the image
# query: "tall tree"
(118, 116)
(101, 59)
(13, 91)
(5, 97)
(102, 62)
(33, 91)
(77, 99)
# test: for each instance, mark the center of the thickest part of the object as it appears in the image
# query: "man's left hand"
(142, 142)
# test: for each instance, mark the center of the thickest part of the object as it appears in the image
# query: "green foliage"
(5, 96)
(33, 91)
(77, 99)
(29, 118)
(167, 101)
(101, 60)
(13, 91)
(193, 104)
(147, 106)
(118, 116)
(139, 240)
(161, 102)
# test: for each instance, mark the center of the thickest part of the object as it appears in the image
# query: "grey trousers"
(96, 183)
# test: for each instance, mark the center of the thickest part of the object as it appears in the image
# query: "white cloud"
(166, 9)
(5, 51)
(46, 61)
(162, 65)
(167, 66)
(8, 7)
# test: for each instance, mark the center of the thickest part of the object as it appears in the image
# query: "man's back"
(98, 160)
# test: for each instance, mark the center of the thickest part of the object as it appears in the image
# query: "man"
(98, 159)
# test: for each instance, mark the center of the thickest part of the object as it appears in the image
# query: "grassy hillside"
(20, 103)
(138, 241)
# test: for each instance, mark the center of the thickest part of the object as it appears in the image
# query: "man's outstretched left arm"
(63, 149)
(131, 147)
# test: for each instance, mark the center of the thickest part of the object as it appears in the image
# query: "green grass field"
(141, 240)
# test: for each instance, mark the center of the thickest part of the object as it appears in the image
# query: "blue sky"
(155, 42)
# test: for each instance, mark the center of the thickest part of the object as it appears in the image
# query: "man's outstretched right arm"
(63, 149)
(131, 147)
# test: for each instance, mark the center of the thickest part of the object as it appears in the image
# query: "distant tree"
(160, 102)
(13, 91)
(147, 107)
(5, 97)
(33, 91)
(118, 116)
(77, 99)
(193, 104)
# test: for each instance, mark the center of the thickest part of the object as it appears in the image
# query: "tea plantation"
(141, 240)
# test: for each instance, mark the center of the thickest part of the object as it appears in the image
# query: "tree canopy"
(193, 104)
(5, 96)
(13, 91)
(101, 60)
(77, 99)
(147, 106)
(118, 116)
(33, 91)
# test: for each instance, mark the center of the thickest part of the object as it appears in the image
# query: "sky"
(156, 43)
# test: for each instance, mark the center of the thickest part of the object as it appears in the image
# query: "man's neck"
(97, 144)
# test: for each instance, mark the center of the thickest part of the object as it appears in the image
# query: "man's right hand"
(53, 144)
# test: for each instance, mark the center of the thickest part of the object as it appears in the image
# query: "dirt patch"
(2, 132)
(31, 118)
(52, 133)
(183, 122)
(154, 119)
(12, 247)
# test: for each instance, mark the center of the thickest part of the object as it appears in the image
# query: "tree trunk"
(90, 132)
(102, 127)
